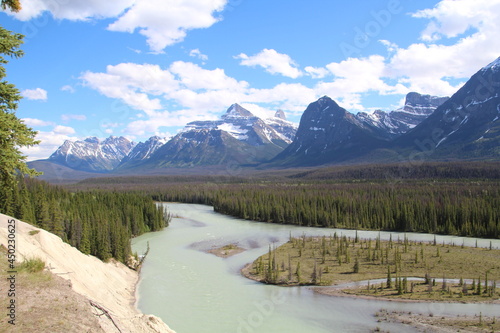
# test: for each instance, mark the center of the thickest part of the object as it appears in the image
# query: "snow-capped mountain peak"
(244, 125)
(237, 111)
(93, 154)
(391, 124)
(494, 65)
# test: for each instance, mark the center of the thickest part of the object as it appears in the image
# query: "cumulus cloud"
(355, 76)
(273, 62)
(316, 72)
(429, 66)
(166, 22)
(460, 37)
(194, 77)
(453, 18)
(184, 91)
(196, 53)
(35, 94)
(32, 122)
(201, 93)
(133, 84)
(162, 22)
(64, 130)
(49, 142)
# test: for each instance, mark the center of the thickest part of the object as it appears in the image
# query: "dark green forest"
(100, 223)
(99, 216)
(466, 209)
(444, 198)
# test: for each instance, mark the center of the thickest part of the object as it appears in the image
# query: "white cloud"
(133, 83)
(202, 94)
(391, 47)
(167, 119)
(273, 62)
(69, 117)
(166, 22)
(461, 36)
(64, 130)
(162, 22)
(68, 88)
(316, 72)
(292, 97)
(436, 68)
(49, 142)
(357, 75)
(35, 94)
(37, 122)
(474, 22)
(192, 76)
(259, 111)
(453, 18)
(196, 53)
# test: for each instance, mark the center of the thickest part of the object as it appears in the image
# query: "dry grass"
(226, 250)
(44, 302)
(332, 260)
(431, 323)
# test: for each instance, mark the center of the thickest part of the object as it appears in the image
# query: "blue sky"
(139, 68)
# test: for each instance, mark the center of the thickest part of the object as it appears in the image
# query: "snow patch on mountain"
(92, 154)
(494, 65)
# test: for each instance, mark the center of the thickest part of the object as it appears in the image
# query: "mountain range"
(464, 126)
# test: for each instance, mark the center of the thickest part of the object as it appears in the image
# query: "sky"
(138, 68)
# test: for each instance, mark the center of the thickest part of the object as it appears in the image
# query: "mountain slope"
(239, 137)
(466, 126)
(92, 154)
(417, 108)
(141, 152)
(328, 133)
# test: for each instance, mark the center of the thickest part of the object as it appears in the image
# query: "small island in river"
(226, 250)
(401, 270)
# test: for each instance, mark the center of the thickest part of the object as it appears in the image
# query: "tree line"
(467, 208)
(100, 223)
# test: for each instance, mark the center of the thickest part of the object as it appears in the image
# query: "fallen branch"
(106, 313)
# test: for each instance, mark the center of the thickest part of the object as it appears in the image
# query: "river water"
(196, 292)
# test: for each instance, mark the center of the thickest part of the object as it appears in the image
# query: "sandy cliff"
(110, 286)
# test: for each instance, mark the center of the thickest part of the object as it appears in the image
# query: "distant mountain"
(92, 154)
(463, 127)
(244, 126)
(466, 126)
(328, 133)
(395, 123)
(239, 137)
(142, 152)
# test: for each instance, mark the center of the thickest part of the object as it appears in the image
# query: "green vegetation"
(443, 198)
(100, 223)
(31, 265)
(338, 259)
(14, 134)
